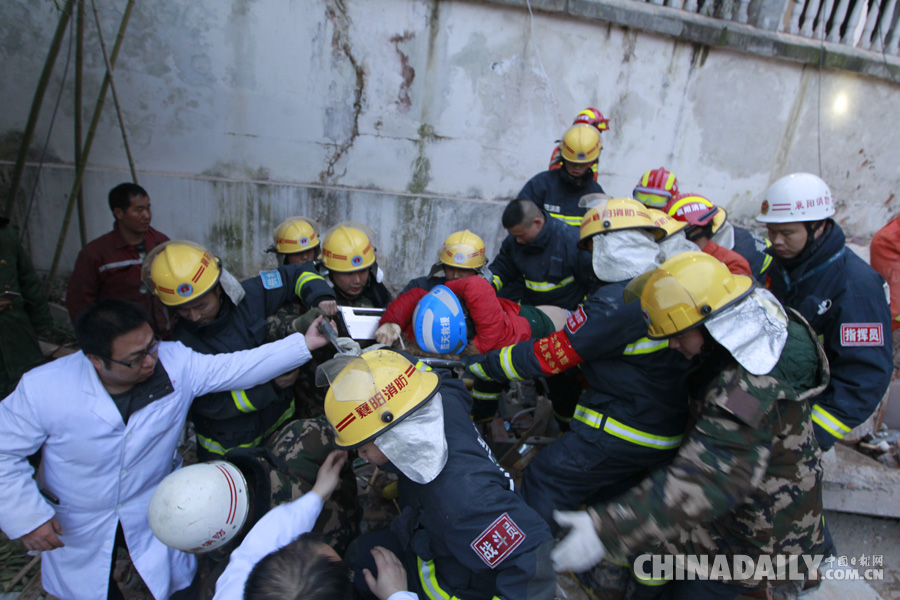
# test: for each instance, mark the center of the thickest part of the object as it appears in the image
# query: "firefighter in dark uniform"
(461, 255)
(632, 418)
(558, 191)
(463, 532)
(842, 297)
(348, 258)
(219, 314)
(541, 253)
(540, 264)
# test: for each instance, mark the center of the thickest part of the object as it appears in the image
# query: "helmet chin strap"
(812, 242)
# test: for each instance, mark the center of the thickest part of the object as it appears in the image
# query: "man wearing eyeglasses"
(108, 420)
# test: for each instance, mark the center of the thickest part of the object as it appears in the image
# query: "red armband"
(555, 353)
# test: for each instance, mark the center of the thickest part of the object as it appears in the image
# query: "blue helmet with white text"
(439, 322)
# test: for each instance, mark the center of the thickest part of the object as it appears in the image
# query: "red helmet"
(697, 211)
(656, 188)
(594, 117)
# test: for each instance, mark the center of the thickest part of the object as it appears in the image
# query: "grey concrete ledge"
(700, 29)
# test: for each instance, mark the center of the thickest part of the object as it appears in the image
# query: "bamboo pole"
(79, 92)
(79, 174)
(115, 95)
(36, 106)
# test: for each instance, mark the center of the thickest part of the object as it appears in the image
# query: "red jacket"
(110, 267)
(884, 256)
(497, 321)
(736, 263)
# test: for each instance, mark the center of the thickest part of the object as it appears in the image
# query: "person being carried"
(490, 323)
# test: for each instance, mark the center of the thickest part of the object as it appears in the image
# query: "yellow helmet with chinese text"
(581, 144)
(371, 393)
(463, 250)
(685, 291)
(670, 224)
(348, 247)
(617, 214)
(179, 272)
(295, 235)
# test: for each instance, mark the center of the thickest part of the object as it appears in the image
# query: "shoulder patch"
(271, 279)
(576, 320)
(743, 405)
(862, 334)
(498, 541)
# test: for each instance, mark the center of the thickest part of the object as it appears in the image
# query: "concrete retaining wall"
(419, 118)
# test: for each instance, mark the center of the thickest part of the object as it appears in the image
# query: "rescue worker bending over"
(463, 532)
(747, 479)
(348, 254)
(842, 297)
(632, 417)
(703, 220)
(219, 314)
(557, 191)
(542, 254)
(591, 116)
(540, 264)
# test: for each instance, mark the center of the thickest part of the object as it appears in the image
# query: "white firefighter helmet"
(199, 508)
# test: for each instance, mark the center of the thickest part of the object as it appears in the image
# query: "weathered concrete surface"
(855, 483)
(420, 117)
(762, 41)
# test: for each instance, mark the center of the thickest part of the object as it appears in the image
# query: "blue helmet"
(439, 322)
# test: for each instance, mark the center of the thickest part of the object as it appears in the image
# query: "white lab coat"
(104, 471)
(278, 528)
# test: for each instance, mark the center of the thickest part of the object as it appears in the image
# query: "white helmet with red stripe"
(199, 508)
(795, 198)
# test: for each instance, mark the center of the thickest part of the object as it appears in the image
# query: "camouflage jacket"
(747, 481)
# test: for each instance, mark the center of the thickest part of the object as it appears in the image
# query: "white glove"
(581, 549)
(387, 333)
(349, 345)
